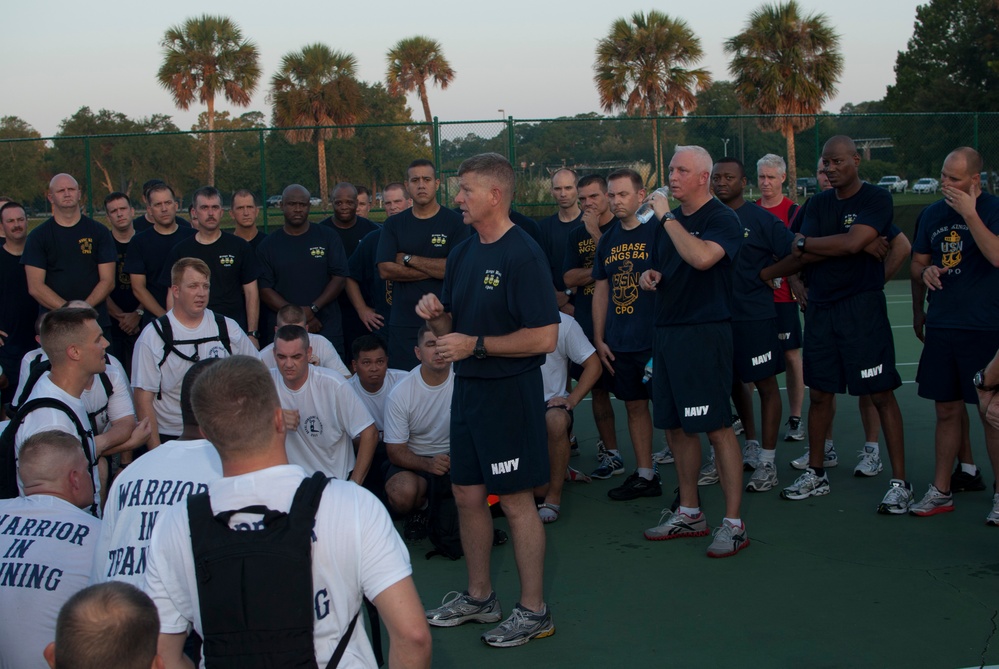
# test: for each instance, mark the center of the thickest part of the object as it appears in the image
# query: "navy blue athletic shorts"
(757, 353)
(629, 368)
(949, 361)
(692, 377)
(498, 433)
(849, 346)
(788, 325)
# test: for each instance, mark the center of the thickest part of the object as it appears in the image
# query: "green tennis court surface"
(827, 582)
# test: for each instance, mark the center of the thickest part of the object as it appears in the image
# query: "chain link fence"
(262, 159)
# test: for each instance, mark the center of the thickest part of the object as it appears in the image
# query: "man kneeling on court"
(355, 551)
(418, 434)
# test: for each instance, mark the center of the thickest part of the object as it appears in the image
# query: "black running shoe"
(635, 486)
(961, 481)
(415, 527)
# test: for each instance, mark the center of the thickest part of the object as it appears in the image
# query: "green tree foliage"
(414, 61)
(206, 57)
(22, 164)
(642, 67)
(316, 88)
(785, 63)
(237, 154)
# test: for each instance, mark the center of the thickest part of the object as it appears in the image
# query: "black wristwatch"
(314, 308)
(801, 244)
(480, 348)
(254, 333)
(979, 382)
(406, 258)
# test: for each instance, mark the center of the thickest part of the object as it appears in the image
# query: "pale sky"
(531, 58)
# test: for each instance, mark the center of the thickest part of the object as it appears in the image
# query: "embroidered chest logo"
(227, 260)
(848, 221)
(313, 426)
(491, 279)
(951, 248)
(438, 239)
(86, 245)
(745, 233)
(317, 252)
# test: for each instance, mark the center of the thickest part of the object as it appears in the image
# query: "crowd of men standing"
(451, 322)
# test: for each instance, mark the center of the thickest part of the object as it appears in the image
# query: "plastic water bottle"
(646, 212)
(648, 372)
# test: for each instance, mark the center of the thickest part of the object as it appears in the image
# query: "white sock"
(645, 473)
(872, 446)
(829, 444)
(752, 441)
(970, 470)
(692, 511)
(768, 456)
(736, 522)
(614, 451)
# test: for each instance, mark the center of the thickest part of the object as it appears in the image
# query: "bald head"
(966, 159)
(345, 187)
(295, 191)
(52, 463)
(62, 179)
(841, 144)
(64, 194)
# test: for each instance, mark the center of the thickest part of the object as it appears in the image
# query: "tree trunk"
(792, 168)
(107, 176)
(422, 88)
(323, 186)
(657, 153)
(211, 141)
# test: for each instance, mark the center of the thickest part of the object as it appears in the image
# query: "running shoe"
(415, 527)
(993, 517)
(932, 503)
(961, 481)
(522, 626)
(462, 609)
(751, 455)
(829, 459)
(601, 450)
(737, 424)
(897, 500)
(709, 473)
(573, 447)
(635, 486)
(677, 525)
(611, 465)
(763, 479)
(728, 540)
(664, 457)
(794, 432)
(807, 485)
(869, 463)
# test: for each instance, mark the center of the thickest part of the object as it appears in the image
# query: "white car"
(894, 184)
(926, 185)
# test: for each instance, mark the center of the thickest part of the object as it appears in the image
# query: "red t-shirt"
(784, 212)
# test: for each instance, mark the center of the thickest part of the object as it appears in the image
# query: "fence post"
(976, 132)
(435, 140)
(90, 182)
(263, 180)
(511, 140)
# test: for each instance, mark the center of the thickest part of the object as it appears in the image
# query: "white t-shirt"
(161, 478)
(419, 415)
(375, 402)
(148, 375)
(48, 548)
(572, 345)
(321, 348)
(330, 418)
(43, 419)
(357, 552)
(119, 405)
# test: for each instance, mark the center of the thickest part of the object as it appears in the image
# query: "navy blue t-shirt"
(433, 237)
(579, 251)
(554, 241)
(764, 240)
(621, 257)
(122, 293)
(147, 254)
(255, 242)
(688, 296)
(377, 292)
(824, 215)
(18, 310)
(352, 236)
(970, 296)
(233, 264)
(70, 257)
(529, 225)
(492, 290)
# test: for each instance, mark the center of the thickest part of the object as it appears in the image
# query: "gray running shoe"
(932, 503)
(737, 424)
(462, 609)
(794, 432)
(728, 540)
(829, 459)
(869, 464)
(993, 517)
(763, 479)
(677, 525)
(664, 457)
(611, 465)
(521, 627)
(897, 500)
(807, 485)
(709, 473)
(751, 455)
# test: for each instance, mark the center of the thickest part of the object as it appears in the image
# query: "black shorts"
(567, 410)
(629, 369)
(605, 382)
(949, 361)
(692, 377)
(498, 434)
(394, 469)
(401, 342)
(849, 346)
(757, 354)
(788, 325)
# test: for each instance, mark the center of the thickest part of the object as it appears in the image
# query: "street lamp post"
(726, 141)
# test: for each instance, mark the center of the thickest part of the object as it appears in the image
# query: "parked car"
(926, 185)
(808, 185)
(893, 183)
(274, 201)
(315, 201)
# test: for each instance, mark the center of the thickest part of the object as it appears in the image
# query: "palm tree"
(204, 57)
(785, 63)
(411, 63)
(641, 66)
(317, 87)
